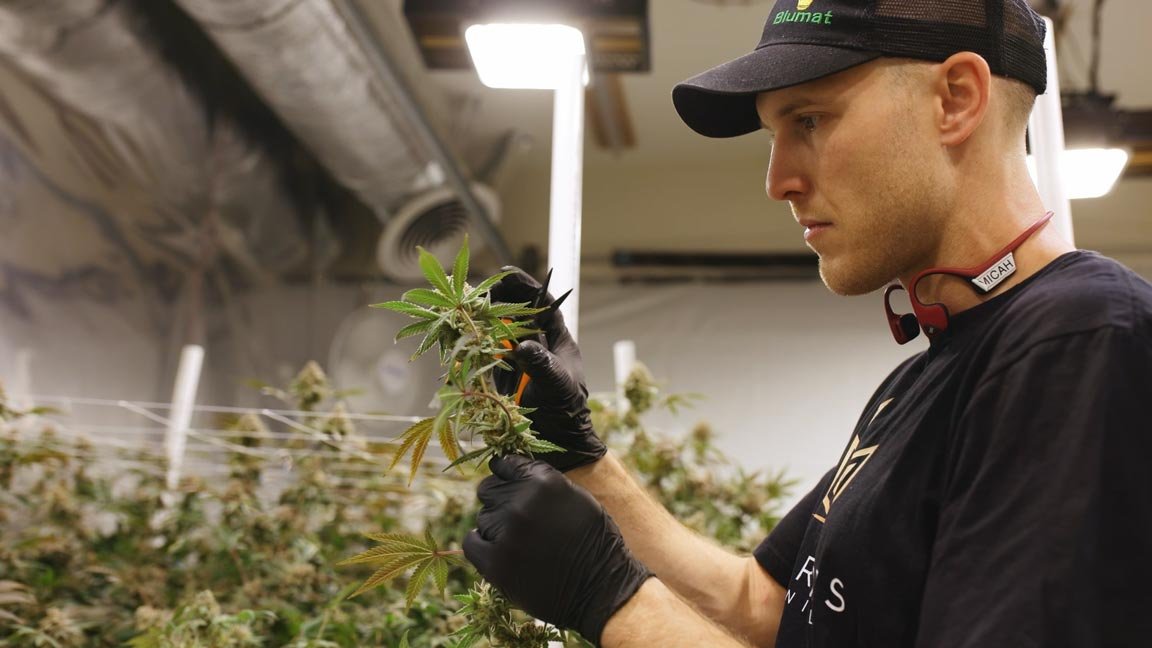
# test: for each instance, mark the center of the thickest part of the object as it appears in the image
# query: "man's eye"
(808, 122)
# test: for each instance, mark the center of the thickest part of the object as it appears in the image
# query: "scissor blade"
(556, 304)
(543, 292)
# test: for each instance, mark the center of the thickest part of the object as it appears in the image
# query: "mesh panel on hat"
(944, 27)
(951, 11)
(1020, 21)
(1022, 27)
(1005, 32)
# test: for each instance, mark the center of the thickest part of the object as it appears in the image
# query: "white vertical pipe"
(624, 357)
(567, 186)
(22, 379)
(183, 398)
(566, 205)
(1046, 137)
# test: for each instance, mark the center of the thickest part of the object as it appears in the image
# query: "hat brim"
(721, 102)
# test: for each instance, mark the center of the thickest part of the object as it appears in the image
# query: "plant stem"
(476, 331)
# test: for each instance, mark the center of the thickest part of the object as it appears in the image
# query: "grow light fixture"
(1088, 173)
(524, 55)
(615, 31)
(547, 56)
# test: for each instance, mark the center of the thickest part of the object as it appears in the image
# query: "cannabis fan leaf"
(398, 553)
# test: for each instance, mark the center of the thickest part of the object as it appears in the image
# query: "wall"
(721, 205)
(784, 367)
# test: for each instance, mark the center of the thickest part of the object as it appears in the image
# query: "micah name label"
(999, 271)
(818, 17)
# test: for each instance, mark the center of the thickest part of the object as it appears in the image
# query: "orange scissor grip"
(524, 377)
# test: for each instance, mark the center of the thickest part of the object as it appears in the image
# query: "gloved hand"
(557, 389)
(551, 548)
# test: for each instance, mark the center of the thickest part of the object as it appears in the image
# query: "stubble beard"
(892, 238)
(902, 197)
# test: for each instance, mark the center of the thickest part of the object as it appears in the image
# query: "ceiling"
(158, 161)
(689, 36)
(166, 142)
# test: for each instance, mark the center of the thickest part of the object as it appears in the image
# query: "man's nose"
(784, 180)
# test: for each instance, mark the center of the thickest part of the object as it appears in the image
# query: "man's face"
(855, 157)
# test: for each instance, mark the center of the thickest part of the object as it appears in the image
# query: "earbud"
(909, 327)
(934, 317)
(905, 328)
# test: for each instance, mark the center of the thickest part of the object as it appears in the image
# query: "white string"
(201, 464)
(143, 405)
(143, 412)
(216, 437)
(97, 441)
(319, 436)
(218, 432)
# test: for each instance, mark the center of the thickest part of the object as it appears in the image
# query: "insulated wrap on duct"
(98, 118)
(301, 59)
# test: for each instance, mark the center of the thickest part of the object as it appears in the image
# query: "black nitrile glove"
(551, 548)
(556, 389)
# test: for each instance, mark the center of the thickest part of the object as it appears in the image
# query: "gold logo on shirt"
(854, 459)
(803, 5)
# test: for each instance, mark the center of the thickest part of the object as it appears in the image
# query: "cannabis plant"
(91, 556)
(472, 334)
(95, 551)
(201, 622)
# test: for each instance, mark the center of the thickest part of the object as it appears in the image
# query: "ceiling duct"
(300, 59)
(316, 64)
(86, 55)
(112, 133)
(436, 221)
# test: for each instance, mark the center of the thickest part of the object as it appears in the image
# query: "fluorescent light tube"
(1088, 173)
(523, 56)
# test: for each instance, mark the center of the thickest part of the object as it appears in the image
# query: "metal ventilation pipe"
(326, 77)
(146, 145)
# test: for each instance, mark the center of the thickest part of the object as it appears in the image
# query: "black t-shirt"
(996, 491)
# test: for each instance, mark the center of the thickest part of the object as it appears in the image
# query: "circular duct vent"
(437, 221)
(363, 358)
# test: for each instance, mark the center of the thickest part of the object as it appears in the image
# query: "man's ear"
(963, 86)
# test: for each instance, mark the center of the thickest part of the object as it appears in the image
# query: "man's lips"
(813, 228)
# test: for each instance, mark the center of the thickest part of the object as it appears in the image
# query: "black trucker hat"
(805, 40)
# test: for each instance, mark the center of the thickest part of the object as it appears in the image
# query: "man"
(993, 492)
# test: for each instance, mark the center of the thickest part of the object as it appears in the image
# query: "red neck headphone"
(934, 317)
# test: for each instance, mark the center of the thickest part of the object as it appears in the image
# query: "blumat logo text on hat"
(803, 15)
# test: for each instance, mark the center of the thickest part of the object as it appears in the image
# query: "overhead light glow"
(523, 55)
(1088, 173)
